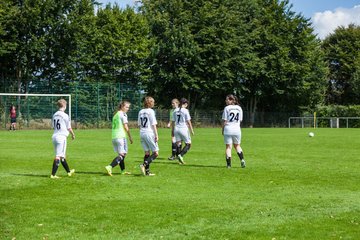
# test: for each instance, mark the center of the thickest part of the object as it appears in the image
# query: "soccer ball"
(311, 134)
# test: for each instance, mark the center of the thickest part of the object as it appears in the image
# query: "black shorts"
(13, 120)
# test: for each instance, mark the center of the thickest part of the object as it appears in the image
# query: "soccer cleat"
(150, 174)
(142, 168)
(181, 159)
(243, 164)
(109, 170)
(228, 165)
(54, 177)
(172, 158)
(125, 173)
(71, 173)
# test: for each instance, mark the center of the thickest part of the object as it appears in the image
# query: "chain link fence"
(93, 105)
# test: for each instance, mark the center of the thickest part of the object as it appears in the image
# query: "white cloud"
(326, 22)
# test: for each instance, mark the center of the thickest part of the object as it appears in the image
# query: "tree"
(342, 51)
(123, 45)
(257, 49)
(8, 42)
(42, 43)
(284, 63)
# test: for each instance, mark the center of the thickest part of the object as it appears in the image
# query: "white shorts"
(232, 139)
(148, 142)
(120, 145)
(182, 134)
(59, 143)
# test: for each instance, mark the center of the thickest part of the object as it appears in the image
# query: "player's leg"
(239, 151)
(173, 148)
(11, 124)
(64, 163)
(118, 148)
(145, 147)
(116, 161)
(154, 147)
(122, 166)
(55, 167)
(178, 139)
(150, 146)
(185, 136)
(148, 161)
(185, 149)
(58, 149)
(63, 159)
(123, 153)
(178, 152)
(228, 147)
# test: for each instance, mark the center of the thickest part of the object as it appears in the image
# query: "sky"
(325, 15)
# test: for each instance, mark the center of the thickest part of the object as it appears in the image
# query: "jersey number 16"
(57, 124)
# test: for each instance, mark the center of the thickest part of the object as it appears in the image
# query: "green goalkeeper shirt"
(171, 115)
(118, 121)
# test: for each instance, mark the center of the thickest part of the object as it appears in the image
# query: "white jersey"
(146, 120)
(180, 117)
(232, 115)
(61, 123)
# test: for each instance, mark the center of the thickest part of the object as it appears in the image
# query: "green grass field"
(294, 187)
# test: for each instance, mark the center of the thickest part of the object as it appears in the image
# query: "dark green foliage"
(259, 50)
(342, 52)
(338, 111)
(58, 42)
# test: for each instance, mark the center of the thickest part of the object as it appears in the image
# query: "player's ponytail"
(182, 102)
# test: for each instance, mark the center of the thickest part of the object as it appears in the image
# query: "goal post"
(33, 110)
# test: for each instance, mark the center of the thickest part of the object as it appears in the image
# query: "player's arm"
(172, 127)
(171, 118)
(156, 133)
(72, 133)
(126, 127)
(52, 123)
(68, 125)
(224, 122)
(191, 127)
(170, 121)
(139, 120)
(223, 126)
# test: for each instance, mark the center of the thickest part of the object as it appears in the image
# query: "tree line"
(260, 50)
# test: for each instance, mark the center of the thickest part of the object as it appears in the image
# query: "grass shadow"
(106, 175)
(175, 162)
(31, 175)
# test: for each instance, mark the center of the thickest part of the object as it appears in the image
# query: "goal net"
(33, 111)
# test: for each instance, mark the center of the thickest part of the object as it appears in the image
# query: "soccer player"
(62, 127)
(148, 135)
(232, 117)
(120, 131)
(180, 129)
(12, 118)
(174, 104)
